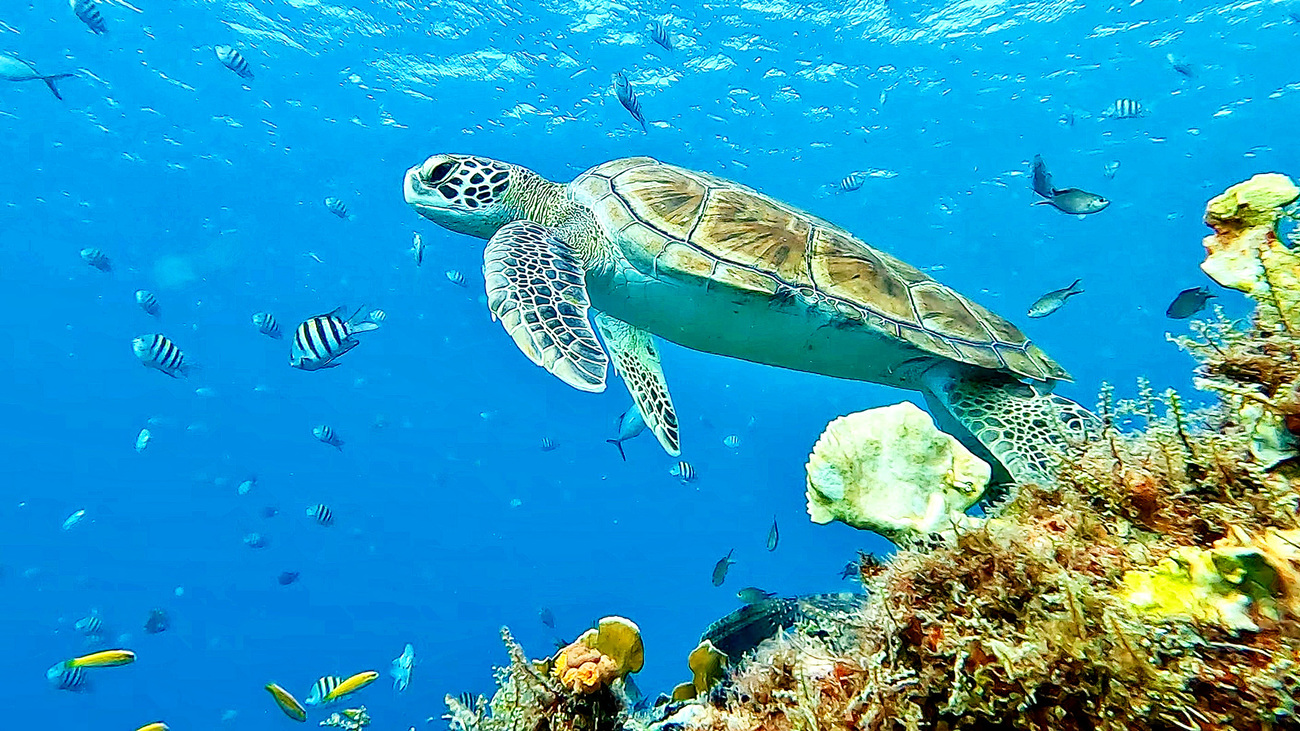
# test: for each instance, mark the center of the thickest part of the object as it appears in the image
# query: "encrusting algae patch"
(1154, 585)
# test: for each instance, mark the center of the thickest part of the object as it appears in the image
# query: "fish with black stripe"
(322, 689)
(323, 515)
(266, 324)
(683, 471)
(1124, 109)
(234, 60)
(628, 99)
(87, 11)
(97, 259)
(325, 433)
(158, 352)
(321, 339)
(148, 302)
(63, 677)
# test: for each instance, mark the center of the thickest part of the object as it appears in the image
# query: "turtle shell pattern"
(673, 222)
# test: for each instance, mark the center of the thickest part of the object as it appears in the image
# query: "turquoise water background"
(450, 520)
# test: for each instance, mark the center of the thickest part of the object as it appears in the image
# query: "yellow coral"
(609, 651)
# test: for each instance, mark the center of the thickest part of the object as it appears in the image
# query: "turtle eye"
(439, 173)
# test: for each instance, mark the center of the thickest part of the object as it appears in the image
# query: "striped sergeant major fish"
(97, 259)
(323, 338)
(683, 471)
(63, 677)
(234, 60)
(91, 626)
(659, 34)
(321, 690)
(1124, 109)
(148, 302)
(326, 434)
(337, 207)
(853, 181)
(156, 351)
(324, 516)
(628, 99)
(266, 324)
(87, 11)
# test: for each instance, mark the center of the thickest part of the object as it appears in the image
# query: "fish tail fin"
(49, 81)
(1075, 288)
(618, 444)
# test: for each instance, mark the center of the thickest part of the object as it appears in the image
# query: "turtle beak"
(417, 194)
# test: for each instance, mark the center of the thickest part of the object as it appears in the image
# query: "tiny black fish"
(721, 567)
(1052, 301)
(287, 577)
(157, 622)
(1188, 303)
(1068, 200)
(628, 99)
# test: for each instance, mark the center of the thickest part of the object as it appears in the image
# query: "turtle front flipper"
(637, 360)
(1019, 428)
(537, 288)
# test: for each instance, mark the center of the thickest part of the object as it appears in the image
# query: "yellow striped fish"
(157, 726)
(323, 338)
(103, 659)
(287, 703)
(350, 686)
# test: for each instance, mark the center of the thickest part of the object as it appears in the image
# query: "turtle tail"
(1008, 424)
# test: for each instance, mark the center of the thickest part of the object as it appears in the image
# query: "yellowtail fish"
(287, 703)
(350, 686)
(157, 726)
(103, 659)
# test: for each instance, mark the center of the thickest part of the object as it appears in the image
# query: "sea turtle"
(715, 266)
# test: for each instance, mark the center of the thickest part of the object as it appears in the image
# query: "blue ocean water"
(450, 520)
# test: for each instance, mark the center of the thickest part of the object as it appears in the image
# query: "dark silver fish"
(158, 622)
(1188, 303)
(547, 617)
(148, 302)
(97, 259)
(628, 99)
(752, 594)
(1052, 301)
(851, 570)
(659, 34)
(630, 424)
(417, 249)
(721, 567)
(158, 352)
(1181, 65)
(320, 340)
(1124, 109)
(324, 433)
(773, 536)
(16, 69)
(88, 12)
(266, 324)
(234, 60)
(337, 207)
(1068, 200)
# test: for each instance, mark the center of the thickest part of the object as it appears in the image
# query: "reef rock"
(891, 471)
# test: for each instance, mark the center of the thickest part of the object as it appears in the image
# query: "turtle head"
(467, 194)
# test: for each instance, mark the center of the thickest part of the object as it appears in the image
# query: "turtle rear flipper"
(1009, 422)
(636, 360)
(537, 288)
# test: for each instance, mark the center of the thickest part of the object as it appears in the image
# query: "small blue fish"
(1188, 303)
(630, 424)
(402, 667)
(628, 99)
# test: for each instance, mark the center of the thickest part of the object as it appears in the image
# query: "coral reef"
(890, 470)
(1155, 585)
